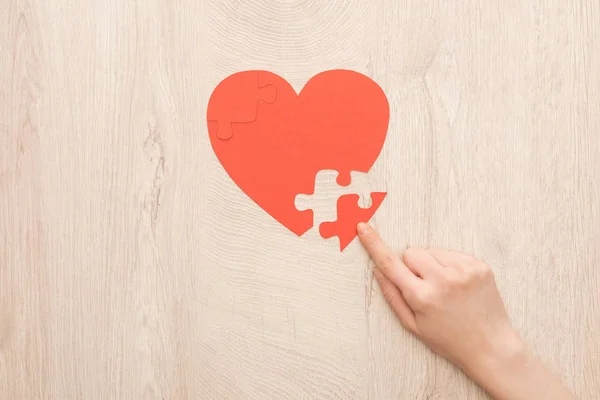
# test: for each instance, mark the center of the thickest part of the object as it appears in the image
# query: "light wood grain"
(132, 267)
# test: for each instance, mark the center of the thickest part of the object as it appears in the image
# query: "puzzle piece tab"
(237, 101)
(322, 202)
(349, 214)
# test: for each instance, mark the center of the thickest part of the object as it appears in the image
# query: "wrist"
(501, 358)
(511, 371)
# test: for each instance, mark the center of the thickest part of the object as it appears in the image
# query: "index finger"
(386, 261)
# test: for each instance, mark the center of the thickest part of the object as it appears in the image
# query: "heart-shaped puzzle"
(273, 141)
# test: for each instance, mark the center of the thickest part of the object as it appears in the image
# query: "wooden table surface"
(132, 267)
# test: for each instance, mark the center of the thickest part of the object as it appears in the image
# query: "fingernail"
(362, 228)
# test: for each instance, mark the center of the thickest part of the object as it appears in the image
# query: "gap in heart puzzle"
(279, 146)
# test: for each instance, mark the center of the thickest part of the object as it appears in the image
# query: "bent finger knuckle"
(486, 272)
(412, 255)
(425, 298)
(481, 270)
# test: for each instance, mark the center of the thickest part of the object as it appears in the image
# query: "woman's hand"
(450, 301)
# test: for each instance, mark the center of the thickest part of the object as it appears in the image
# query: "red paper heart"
(272, 141)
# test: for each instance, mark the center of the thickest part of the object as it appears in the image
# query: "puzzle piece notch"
(322, 202)
(349, 215)
(237, 101)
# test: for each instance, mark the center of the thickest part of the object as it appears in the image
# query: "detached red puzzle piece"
(273, 141)
(349, 214)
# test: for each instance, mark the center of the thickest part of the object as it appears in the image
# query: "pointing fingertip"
(362, 228)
